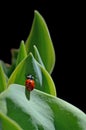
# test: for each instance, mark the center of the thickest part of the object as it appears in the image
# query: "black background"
(66, 26)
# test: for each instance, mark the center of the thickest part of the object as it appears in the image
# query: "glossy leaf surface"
(39, 36)
(41, 112)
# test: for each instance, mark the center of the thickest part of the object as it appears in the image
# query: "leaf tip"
(22, 41)
(31, 55)
(36, 12)
(34, 46)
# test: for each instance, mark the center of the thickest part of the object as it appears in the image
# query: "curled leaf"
(37, 56)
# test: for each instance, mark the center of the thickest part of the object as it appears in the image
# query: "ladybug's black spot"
(29, 83)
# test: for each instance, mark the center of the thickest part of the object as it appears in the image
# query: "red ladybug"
(30, 83)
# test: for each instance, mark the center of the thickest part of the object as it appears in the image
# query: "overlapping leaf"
(37, 56)
(29, 66)
(39, 36)
(42, 111)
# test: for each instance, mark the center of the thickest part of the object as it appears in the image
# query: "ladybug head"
(30, 77)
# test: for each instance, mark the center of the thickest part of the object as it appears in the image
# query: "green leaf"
(22, 53)
(37, 56)
(42, 111)
(17, 56)
(39, 36)
(3, 79)
(8, 124)
(14, 53)
(5, 67)
(29, 66)
(11, 69)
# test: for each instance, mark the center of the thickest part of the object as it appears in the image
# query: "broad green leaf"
(3, 79)
(22, 53)
(37, 56)
(29, 66)
(39, 36)
(7, 123)
(42, 111)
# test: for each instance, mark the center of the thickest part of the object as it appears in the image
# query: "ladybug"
(30, 83)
